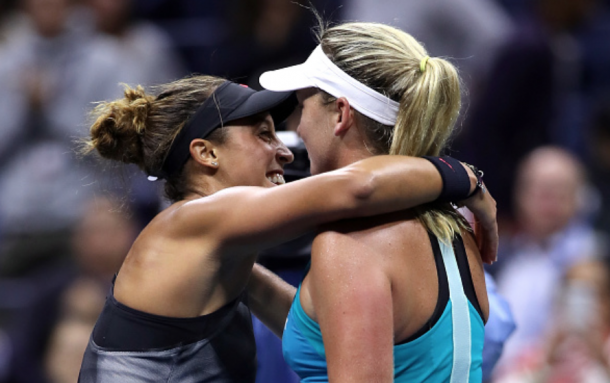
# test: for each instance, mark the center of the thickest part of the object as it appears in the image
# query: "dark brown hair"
(140, 128)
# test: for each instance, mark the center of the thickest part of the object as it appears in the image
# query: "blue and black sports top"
(448, 348)
(132, 346)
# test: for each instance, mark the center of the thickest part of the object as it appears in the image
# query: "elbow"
(360, 185)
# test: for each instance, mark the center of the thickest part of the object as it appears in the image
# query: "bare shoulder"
(373, 240)
(198, 216)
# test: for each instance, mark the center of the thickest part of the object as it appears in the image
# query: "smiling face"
(252, 154)
(315, 127)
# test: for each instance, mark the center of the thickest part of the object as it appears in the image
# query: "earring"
(215, 163)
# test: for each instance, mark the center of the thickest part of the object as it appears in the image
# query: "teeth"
(277, 179)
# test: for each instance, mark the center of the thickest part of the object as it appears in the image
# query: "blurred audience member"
(54, 66)
(100, 241)
(144, 52)
(66, 349)
(552, 237)
(499, 327)
(81, 304)
(40, 112)
(6, 17)
(577, 349)
(600, 165)
(196, 27)
(539, 91)
(102, 238)
(469, 32)
(267, 34)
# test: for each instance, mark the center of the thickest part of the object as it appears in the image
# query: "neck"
(204, 185)
(352, 148)
(349, 156)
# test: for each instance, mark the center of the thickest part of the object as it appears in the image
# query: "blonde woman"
(177, 311)
(397, 297)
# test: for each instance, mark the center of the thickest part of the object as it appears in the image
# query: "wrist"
(472, 177)
(455, 176)
(476, 179)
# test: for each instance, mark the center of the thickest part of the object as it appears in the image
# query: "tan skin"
(197, 255)
(372, 281)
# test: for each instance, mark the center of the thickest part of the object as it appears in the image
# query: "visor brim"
(286, 79)
(279, 104)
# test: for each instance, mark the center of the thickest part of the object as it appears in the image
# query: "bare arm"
(269, 298)
(353, 305)
(248, 219)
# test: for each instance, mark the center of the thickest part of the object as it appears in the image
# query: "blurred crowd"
(536, 119)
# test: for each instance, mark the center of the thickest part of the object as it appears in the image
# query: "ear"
(204, 153)
(345, 116)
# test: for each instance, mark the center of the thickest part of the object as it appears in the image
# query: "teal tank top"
(451, 350)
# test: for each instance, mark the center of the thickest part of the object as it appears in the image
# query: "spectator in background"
(264, 34)
(144, 52)
(42, 102)
(600, 164)
(6, 13)
(576, 350)
(101, 242)
(47, 336)
(70, 335)
(139, 52)
(540, 90)
(552, 237)
(196, 27)
(54, 66)
(238, 39)
(469, 32)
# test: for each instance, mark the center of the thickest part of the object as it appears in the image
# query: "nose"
(284, 155)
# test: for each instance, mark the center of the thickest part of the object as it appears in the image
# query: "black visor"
(229, 102)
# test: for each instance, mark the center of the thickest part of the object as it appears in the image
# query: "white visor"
(319, 72)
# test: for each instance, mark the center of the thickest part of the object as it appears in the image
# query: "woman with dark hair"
(177, 311)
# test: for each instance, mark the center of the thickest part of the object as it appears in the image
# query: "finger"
(480, 234)
(492, 244)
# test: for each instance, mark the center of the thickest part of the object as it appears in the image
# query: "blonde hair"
(390, 61)
(141, 127)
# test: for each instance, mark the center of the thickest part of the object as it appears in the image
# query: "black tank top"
(128, 345)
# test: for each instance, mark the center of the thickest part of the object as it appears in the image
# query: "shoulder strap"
(461, 317)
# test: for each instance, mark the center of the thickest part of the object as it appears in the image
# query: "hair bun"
(119, 124)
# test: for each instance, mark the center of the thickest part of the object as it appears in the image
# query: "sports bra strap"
(461, 317)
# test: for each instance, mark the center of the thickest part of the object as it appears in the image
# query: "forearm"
(390, 183)
(270, 298)
(257, 218)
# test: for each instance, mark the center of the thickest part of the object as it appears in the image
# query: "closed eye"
(267, 135)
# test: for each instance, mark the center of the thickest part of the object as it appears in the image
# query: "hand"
(483, 207)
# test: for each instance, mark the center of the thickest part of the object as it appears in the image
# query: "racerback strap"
(460, 372)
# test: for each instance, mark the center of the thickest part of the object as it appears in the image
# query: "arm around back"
(248, 219)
